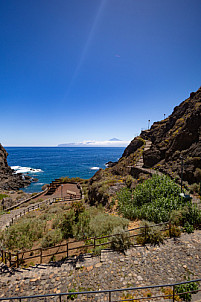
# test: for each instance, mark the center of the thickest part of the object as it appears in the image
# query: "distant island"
(113, 142)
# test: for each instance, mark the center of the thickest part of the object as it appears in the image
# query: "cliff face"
(177, 136)
(159, 148)
(9, 180)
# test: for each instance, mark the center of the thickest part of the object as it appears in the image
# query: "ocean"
(48, 163)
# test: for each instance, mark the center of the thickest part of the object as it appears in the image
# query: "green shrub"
(120, 240)
(51, 238)
(82, 229)
(97, 250)
(182, 288)
(3, 196)
(188, 228)
(155, 200)
(175, 231)
(22, 234)
(150, 234)
(104, 224)
(67, 223)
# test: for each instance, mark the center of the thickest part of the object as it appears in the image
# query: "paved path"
(149, 265)
(5, 219)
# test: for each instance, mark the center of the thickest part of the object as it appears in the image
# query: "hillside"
(158, 149)
(9, 180)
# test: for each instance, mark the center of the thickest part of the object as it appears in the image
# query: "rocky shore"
(8, 179)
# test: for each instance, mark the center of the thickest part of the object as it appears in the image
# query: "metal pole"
(110, 299)
(182, 168)
(173, 293)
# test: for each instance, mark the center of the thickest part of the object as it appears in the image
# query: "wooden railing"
(69, 248)
(27, 210)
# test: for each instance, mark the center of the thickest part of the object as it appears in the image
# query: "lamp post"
(148, 124)
(182, 169)
(164, 115)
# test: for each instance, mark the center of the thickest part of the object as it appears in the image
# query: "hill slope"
(177, 135)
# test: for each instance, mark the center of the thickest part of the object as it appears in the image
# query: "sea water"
(48, 163)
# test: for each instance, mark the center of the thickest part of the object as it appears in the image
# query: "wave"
(94, 168)
(19, 169)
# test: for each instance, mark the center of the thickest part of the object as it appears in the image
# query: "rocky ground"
(168, 263)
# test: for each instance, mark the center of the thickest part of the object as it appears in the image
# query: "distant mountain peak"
(114, 140)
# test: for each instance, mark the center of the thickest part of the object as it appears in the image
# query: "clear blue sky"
(94, 69)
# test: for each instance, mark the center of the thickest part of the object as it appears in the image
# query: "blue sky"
(81, 70)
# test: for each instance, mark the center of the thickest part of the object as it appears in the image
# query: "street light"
(148, 124)
(182, 169)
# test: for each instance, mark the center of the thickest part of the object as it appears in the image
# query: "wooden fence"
(27, 210)
(70, 248)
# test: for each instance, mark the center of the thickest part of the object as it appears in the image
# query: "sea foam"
(94, 168)
(19, 169)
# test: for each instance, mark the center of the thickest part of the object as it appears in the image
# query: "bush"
(194, 188)
(157, 199)
(23, 234)
(197, 174)
(120, 240)
(51, 238)
(175, 231)
(150, 234)
(188, 228)
(67, 223)
(182, 288)
(3, 196)
(104, 224)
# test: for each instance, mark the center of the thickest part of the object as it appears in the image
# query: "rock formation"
(172, 141)
(8, 179)
(177, 137)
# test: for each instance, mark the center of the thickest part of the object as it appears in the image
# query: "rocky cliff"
(9, 180)
(171, 141)
(177, 137)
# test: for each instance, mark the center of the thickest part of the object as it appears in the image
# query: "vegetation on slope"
(54, 224)
(156, 200)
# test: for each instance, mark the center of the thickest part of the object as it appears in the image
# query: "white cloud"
(88, 143)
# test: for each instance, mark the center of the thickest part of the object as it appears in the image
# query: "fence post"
(2, 254)
(110, 299)
(67, 249)
(145, 232)
(17, 259)
(173, 293)
(41, 255)
(5, 257)
(94, 242)
(170, 234)
(9, 258)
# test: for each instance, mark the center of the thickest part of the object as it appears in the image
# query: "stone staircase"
(140, 162)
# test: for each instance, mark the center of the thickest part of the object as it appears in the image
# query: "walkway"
(61, 191)
(141, 266)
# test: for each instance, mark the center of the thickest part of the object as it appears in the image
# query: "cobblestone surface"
(140, 266)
